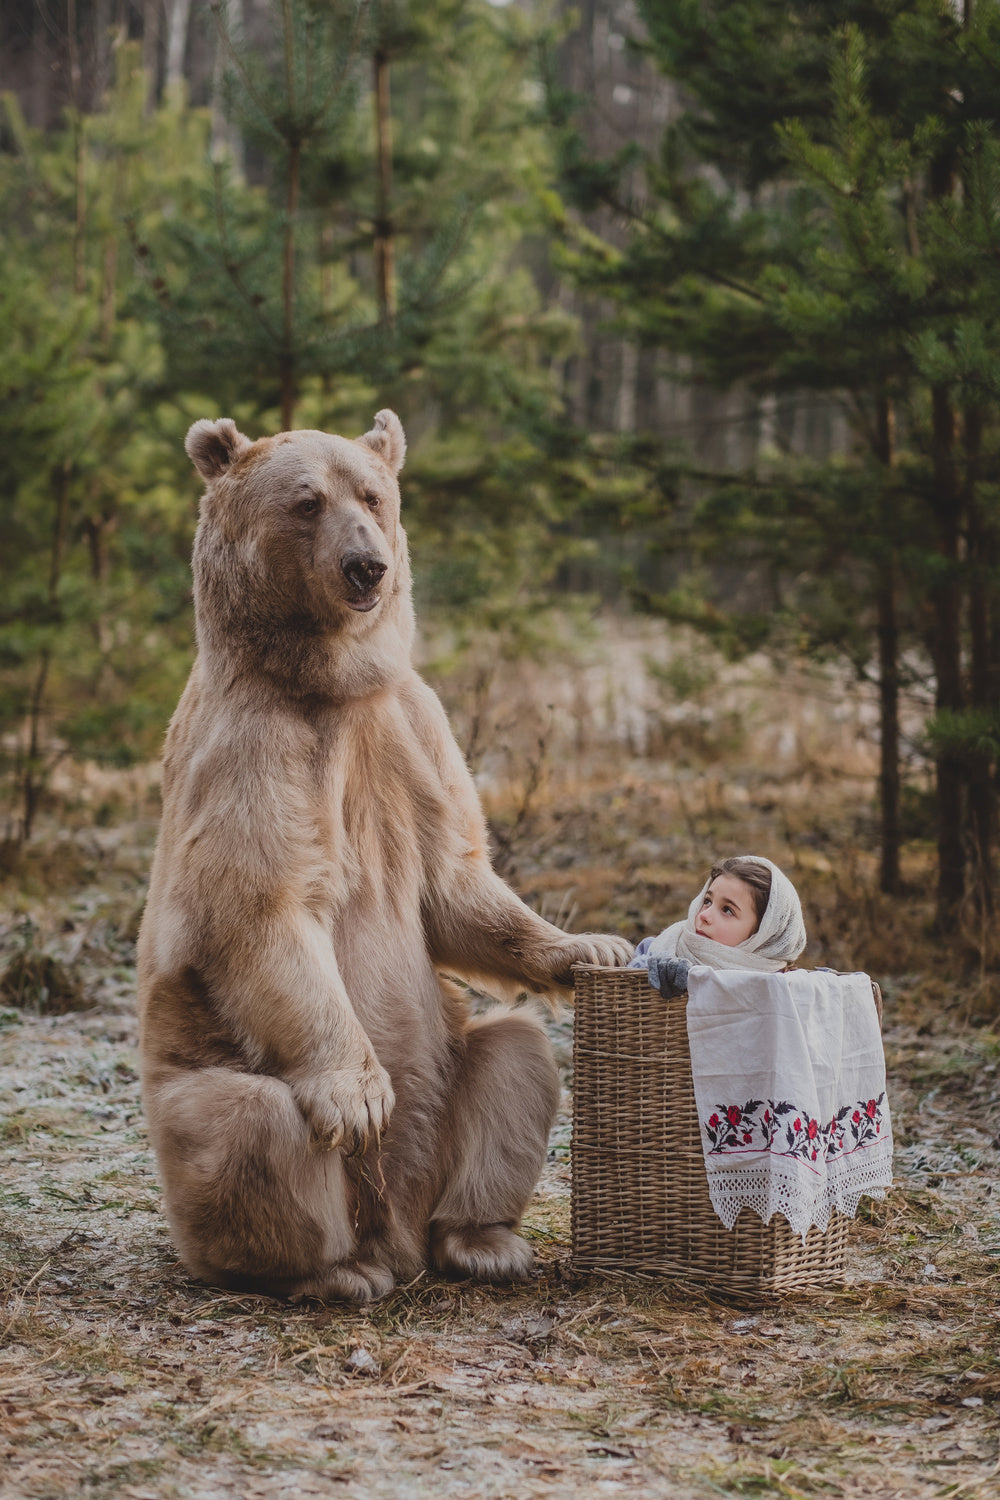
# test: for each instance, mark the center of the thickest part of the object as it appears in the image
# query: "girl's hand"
(669, 976)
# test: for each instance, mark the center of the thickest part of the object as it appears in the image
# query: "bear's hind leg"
(253, 1203)
(494, 1140)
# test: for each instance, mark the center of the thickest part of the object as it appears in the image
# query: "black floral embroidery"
(779, 1127)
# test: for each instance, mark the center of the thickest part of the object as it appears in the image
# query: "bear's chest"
(379, 815)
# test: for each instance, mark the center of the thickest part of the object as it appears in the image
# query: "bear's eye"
(310, 505)
(372, 502)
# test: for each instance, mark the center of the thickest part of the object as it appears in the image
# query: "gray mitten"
(668, 975)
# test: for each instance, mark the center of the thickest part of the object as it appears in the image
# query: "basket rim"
(605, 969)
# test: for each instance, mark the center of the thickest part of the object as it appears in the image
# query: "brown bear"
(327, 1116)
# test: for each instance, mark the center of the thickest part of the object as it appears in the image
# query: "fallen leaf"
(360, 1362)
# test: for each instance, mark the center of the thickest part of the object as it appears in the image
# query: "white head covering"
(779, 939)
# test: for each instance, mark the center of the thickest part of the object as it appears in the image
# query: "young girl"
(747, 915)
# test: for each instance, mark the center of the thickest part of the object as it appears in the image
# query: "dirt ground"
(119, 1375)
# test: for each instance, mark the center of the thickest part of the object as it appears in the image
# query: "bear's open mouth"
(364, 602)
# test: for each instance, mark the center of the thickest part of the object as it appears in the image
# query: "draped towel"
(789, 1082)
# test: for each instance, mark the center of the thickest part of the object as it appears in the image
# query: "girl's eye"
(372, 502)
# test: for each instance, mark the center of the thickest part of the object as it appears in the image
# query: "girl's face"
(727, 914)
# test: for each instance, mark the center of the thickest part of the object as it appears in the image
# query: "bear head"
(300, 561)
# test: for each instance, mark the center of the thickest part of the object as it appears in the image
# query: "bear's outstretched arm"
(477, 927)
(475, 924)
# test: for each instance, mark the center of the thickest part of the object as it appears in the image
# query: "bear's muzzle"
(364, 572)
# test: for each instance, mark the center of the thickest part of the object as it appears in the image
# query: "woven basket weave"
(640, 1193)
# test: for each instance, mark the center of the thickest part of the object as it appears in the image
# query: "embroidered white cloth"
(789, 1081)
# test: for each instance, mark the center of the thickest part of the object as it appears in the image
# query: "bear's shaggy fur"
(326, 1116)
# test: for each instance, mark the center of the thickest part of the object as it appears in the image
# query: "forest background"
(689, 309)
(690, 312)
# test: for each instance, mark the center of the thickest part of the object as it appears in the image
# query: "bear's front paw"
(596, 948)
(366, 1102)
(347, 1107)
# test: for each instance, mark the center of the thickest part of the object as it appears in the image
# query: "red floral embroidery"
(764, 1126)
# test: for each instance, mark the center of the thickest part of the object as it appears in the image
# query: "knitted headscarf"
(779, 939)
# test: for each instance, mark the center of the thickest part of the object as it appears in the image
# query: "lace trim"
(770, 1185)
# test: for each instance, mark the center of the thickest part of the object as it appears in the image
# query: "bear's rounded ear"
(213, 446)
(387, 439)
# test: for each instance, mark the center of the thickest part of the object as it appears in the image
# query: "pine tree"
(821, 218)
(378, 251)
(94, 538)
(163, 264)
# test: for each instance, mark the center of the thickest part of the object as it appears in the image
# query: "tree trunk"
(289, 374)
(80, 218)
(109, 280)
(946, 650)
(946, 606)
(385, 280)
(80, 221)
(33, 779)
(888, 675)
(287, 362)
(151, 29)
(226, 141)
(177, 35)
(983, 671)
(889, 787)
(628, 381)
(102, 50)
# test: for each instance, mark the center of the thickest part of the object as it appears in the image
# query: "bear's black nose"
(363, 571)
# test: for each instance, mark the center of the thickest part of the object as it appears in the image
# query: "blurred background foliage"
(686, 306)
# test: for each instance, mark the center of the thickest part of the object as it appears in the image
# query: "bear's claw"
(353, 1282)
(346, 1107)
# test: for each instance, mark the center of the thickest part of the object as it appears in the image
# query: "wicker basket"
(640, 1193)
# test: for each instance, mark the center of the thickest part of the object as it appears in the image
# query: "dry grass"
(119, 1376)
